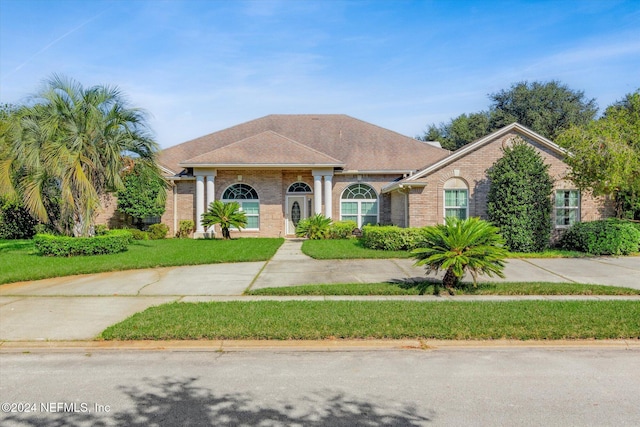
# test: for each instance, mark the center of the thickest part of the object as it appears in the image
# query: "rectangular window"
(567, 207)
(252, 212)
(455, 203)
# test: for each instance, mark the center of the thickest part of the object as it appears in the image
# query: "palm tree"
(314, 228)
(76, 140)
(461, 246)
(227, 215)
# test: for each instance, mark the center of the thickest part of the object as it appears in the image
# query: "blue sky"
(201, 66)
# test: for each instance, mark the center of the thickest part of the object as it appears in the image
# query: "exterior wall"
(180, 205)
(426, 205)
(399, 208)
(108, 213)
(341, 182)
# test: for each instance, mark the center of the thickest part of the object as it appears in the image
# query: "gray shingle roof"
(356, 144)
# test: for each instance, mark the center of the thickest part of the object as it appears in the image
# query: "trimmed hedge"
(391, 237)
(603, 237)
(63, 246)
(342, 229)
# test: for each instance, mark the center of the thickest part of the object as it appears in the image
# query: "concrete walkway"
(80, 307)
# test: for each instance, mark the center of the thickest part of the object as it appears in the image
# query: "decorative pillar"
(199, 203)
(317, 194)
(211, 192)
(328, 194)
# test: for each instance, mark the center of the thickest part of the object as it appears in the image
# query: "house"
(282, 168)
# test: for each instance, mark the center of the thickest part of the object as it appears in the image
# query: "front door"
(296, 210)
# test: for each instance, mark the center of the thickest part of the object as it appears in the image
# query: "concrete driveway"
(80, 307)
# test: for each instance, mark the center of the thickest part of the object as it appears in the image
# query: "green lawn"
(426, 288)
(18, 260)
(346, 249)
(353, 249)
(521, 320)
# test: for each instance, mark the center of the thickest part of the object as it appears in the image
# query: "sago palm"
(77, 139)
(314, 228)
(227, 215)
(461, 246)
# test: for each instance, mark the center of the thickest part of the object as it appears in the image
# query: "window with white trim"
(456, 199)
(567, 207)
(247, 197)
(359, 203)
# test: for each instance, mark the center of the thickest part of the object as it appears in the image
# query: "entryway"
(297, 209)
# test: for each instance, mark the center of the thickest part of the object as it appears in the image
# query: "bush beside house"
(604, 237)
(63, 246)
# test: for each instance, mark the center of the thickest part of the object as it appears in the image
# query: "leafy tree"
(605, 154)
(519, 199)
(73, 140)
(226, 214)
(144, 192)
(546, 108)
(459, 131)
(315, 227)
(459, 246)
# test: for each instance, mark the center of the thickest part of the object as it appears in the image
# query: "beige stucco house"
(282, 168)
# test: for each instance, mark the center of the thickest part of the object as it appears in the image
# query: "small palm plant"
(459, 246)
(315, 227)
(227, 215)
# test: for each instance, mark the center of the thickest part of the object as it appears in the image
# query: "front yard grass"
(19, 260)
(346, 249)
(427, 288)
(353, 249)
(299, 320)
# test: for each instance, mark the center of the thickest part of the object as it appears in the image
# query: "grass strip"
(427, 288)
(18, 260)
(308, 320)
(346, 249)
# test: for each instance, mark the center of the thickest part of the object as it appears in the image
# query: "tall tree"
(519, 199)
(75, 139)
(459, 131)
(546, 108)
(605, 154)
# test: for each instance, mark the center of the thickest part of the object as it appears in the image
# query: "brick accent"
(426, 205)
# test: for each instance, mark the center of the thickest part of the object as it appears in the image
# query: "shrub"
(101, 229)
(519, 199)
(228, 215)
(15, 221)
(604, 237)
(138, 234)
(158, 231)
(315, 227)
(112, 242)
(342, 229)
(391, 237)
(185, 228)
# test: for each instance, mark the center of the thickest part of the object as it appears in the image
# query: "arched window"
(359, 203)
(299, 187)
(456, 199)
(247, 197)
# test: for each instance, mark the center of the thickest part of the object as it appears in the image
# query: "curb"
(223, 346)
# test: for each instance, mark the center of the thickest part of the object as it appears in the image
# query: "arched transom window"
(247, 197)
(299, 187)
(359, 203)
(456, 198)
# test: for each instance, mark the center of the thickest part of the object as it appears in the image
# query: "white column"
(328, 193)
(211, 193)
(199, 203)
(317, 194)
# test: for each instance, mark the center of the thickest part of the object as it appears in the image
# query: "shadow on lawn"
(179, 402)
(431, 285)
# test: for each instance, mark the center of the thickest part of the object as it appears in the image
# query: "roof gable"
(470, 148)
(264, 149)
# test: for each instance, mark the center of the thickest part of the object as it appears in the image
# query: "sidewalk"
(80, 307)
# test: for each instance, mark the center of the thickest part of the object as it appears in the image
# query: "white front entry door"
(296, 210)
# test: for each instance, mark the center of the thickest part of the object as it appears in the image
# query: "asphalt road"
(451, 387)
